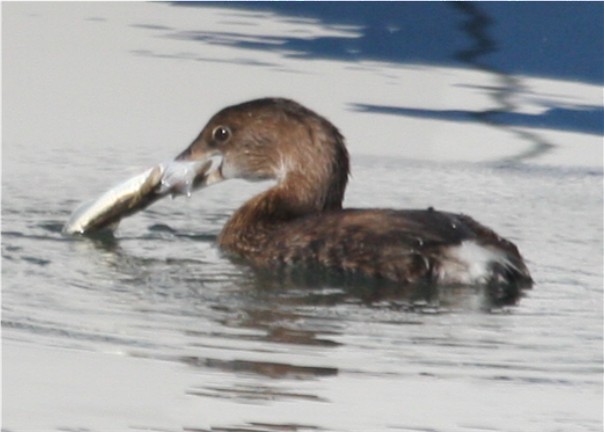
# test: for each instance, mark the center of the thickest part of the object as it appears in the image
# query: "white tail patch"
(470, 263)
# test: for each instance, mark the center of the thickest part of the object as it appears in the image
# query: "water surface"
(156, 329)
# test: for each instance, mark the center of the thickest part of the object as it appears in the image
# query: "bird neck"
(296, 196)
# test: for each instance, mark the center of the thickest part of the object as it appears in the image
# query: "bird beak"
(211, 162)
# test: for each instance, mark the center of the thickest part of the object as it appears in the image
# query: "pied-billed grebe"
(300, 220)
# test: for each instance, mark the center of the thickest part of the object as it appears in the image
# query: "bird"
(299, 222)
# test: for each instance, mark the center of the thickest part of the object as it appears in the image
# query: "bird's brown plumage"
(300, 221)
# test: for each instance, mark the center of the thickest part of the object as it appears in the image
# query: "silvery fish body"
(135, 194)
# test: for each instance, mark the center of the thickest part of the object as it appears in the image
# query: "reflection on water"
(267, 369)
(579, 119)
(171, 297)
(467, 33)
(518, 38)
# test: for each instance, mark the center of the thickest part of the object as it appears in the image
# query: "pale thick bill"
(135, 194)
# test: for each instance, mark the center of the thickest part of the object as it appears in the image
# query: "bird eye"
(221, 133)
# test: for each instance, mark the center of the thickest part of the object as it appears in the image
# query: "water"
(157, 330)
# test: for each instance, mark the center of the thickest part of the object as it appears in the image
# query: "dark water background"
(157, 330)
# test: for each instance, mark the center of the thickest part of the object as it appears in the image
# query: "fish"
(135, 194)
